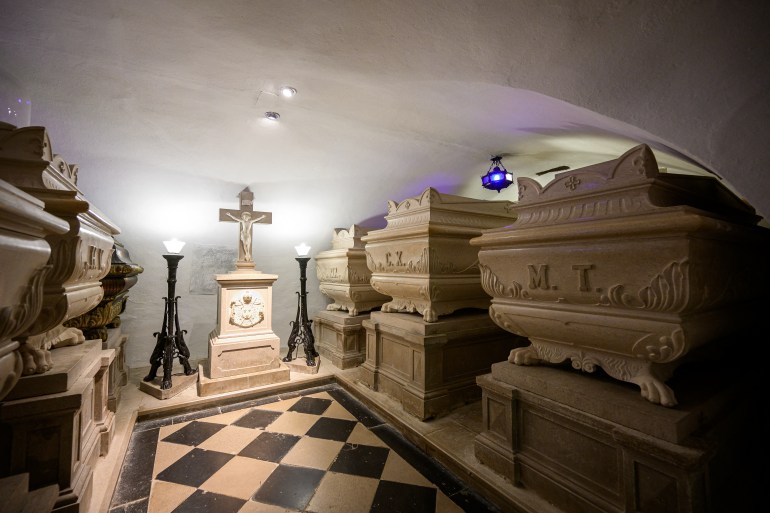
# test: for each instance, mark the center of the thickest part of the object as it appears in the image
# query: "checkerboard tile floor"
(316, 451)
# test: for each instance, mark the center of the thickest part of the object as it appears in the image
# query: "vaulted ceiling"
(394, 94)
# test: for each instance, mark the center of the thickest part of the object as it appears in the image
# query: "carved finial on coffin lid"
(32, 144)
(428, 196)
(345, 238)
(636, 165)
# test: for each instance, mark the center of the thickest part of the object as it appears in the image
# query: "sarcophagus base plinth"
(341, 338)
(431, 367)
(588, 443)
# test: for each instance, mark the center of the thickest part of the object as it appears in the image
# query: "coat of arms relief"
(247, 309)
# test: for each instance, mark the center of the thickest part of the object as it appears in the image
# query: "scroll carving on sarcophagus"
(623, 267)
(423, 259)
(79, 258)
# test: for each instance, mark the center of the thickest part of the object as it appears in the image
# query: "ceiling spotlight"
(288, 91)
(272, 116)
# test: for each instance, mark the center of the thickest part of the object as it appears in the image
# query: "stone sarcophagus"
(344, 275)
(123, 275)
(23, 253)
(622, 267)
(79, 259)
(423, 258)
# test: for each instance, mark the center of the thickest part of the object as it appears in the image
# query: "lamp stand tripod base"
(300, 365)
(179, 383)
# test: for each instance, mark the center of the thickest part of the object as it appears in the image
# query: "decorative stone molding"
(621, 267)
(343, 273)
(423, 260)
(123, 275)
(24, 224)
(80, 256)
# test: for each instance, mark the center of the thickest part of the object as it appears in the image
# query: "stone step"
(16, 497)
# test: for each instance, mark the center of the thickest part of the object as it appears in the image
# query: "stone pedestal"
(344, 276)
(423, 259)
(118, 375)
(300, 366)
(589, 444)
(340, 338)
(243, 350)
(625, 268)
(179, 383)
(57, 437)
(431, 368)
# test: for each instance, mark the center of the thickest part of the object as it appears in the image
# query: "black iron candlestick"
(301, 332)
(170, 339)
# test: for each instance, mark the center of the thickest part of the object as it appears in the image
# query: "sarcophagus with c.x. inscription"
(423, 258)
(622, 267)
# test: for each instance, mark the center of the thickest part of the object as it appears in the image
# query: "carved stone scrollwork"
(344, 274)
(628, 270)
(422, 259)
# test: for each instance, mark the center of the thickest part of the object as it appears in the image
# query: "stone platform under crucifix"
(243, 350)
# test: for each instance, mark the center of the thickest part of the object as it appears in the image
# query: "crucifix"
(245, 217)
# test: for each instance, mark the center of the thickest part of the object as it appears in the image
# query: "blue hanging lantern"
(497, 178)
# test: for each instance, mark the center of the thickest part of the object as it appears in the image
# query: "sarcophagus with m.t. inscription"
(622, 267)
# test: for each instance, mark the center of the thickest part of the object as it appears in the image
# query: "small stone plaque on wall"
(207, 262)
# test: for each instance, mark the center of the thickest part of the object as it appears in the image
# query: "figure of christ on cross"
(244, 218)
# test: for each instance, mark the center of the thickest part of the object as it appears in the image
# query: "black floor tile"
(471, 502)
(361, 460)
(135, 476)
(289, 487)
(209, 502)
(132, 507)
(311, 405)
(332, 429)
(394, 497)
(248, 404)
(427, 466)
(257, 419)
(195, 467)
(359, 411)
(270, 446)
(194, 433)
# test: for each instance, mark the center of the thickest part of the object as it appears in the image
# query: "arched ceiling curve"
(415, 93)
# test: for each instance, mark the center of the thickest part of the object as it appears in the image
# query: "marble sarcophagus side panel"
(423, 258)
(622, 267)
(79, 259)
(23, 253)
(344, 275)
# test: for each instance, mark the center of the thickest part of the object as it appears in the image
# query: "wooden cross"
(246, 217)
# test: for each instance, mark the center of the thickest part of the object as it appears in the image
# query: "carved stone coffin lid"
(444, 212)
(21, 212)
(27, 161)
(630, 185)
(122, 266)
(344, 238)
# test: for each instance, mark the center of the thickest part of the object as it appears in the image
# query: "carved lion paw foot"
(524, 356)
(655, 390)
(430, 315)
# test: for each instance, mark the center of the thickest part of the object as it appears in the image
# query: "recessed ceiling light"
(272, 116)
(288, 91)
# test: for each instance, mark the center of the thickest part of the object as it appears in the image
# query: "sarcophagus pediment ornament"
(423, 259)
(344, 275)
(622, 267)
(79, 258)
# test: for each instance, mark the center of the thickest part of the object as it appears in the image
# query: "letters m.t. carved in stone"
(538, 276)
